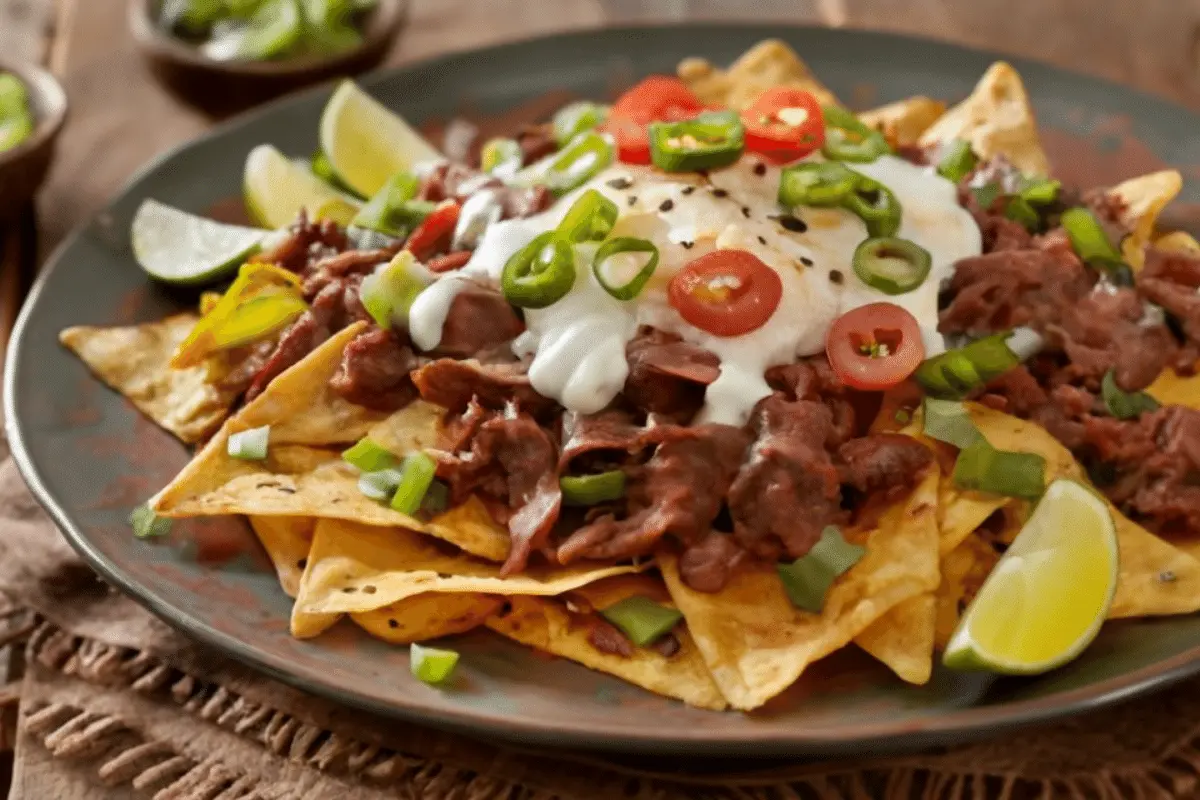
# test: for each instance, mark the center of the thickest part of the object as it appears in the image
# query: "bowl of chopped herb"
(33, 108)
(225, 55)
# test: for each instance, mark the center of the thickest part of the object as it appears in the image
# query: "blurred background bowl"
(24, 167)
(221, 88)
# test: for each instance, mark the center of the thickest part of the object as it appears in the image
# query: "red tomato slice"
(659, 98)
(784, 124)
(875, 347)
(726, 292)
(434, 233)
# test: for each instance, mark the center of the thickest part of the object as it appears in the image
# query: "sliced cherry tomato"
(726, 292)
(784, 124)
(434, 233)
(875, 347)
(659, 98)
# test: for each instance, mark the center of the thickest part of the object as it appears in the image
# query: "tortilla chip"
(428, 616)
(354, 568)
(547, 624)
(1155, 577)
(287, 541)
(903, 122)
(1144, 199)
(756, 643)
(997, 119)
(1173, 389)
(903, 639)
(962, 511)
(768, 64)
(963, 571)
(1178, 242)
(134, 360)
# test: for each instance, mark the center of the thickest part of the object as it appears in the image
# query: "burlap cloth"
(113, 704)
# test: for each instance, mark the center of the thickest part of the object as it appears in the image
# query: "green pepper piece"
(958, 159)
(876, 205)
(847, 138)
(983, 468)
(713, 139)
(590, 219)
(389, 210)
(601, 266)
(541, 273)
(589, 490)
(580, 161)
(641, 619)
(576, 118)
(820, 183)
(891, 265)
(1122, 404)
(501, 156)
(807, 579)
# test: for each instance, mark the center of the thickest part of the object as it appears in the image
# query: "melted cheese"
(578, 344)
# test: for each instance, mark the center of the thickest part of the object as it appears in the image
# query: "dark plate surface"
(90, 457)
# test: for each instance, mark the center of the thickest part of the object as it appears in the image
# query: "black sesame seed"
(835, 276)
(793, 224)
(688, 245)
(720, 193)
(393, 623)
(746, 212)
(762, 240)
(806, 261)
(666, 205)
(620, 183)
(760, 169)
(687, 190)
(632, 199)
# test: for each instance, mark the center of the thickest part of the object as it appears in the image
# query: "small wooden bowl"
(24, 168)
(225, 87)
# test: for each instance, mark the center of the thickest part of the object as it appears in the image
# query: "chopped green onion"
(816, 183)
(981, 467)
(956, 373)
(876, 205)
(588, 490)
(416, 476)
(437, 498)
(607, 258)
(368, 456)
(847, 138)
(641, 619)
(590, 218)
(576, 118)
(1039, 191)
(146, 524)
(949, 422)
(430, 664)
(1090, 242)
(1025, 343)
(389, 292)
(379, 485)
(958, 159)
(539, 274)
(893, 266)
(501, 156)
(275, 28)
(986, 195)
(250, 445)
(1122, 404)
(808, 578)
(577, 163)
(713, 139)
(391, 210)
(1018, 209)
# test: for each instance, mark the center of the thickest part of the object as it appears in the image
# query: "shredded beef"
(458, 182)
(788, 489)
(606, 638)
(537, 142)
(1172, 280)
(448, 262)
(480, 320)
(309, 330)
(610, 431)
(1168, 491)
(884, 462)
(374, 371)
(705, 566)
(453, 384)
(678, 491)
(668, 375)
(1002, 290)
(337, 267)
(305, 242)
(243, 364)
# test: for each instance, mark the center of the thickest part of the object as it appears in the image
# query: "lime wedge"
(1047, 597)
(181, 248)
(275, 190)
(365, 143)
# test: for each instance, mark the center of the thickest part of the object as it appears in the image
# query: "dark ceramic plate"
(90, 457)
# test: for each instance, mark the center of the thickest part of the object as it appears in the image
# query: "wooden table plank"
(25, 27)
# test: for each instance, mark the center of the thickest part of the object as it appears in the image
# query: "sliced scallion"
(368, 456)
(379, 485)
(430, 664)
(807, 579)
(641, 619)
(249, 445)
(146, 524)
(588, 490)
(949, 422)
(983, 468)
(416, 476)
(958, 159)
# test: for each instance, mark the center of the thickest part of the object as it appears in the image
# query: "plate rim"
(948, 727)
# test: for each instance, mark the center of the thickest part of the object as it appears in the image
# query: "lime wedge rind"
(275, 189)
(176, 247)
(1070, 537)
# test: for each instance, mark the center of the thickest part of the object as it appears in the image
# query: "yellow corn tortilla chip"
(1172, 389)
(1144, 198)
(287, 541)
(903, 639)
(903, 122)
(548, 624)
(997, 119)
(964, 570)
(428, 616)
(756, 643)
(135, 361)
(1155, 577)
(354, 568)
(1178, 242)
(768, 64)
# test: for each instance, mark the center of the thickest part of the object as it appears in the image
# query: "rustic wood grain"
(25, 27)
